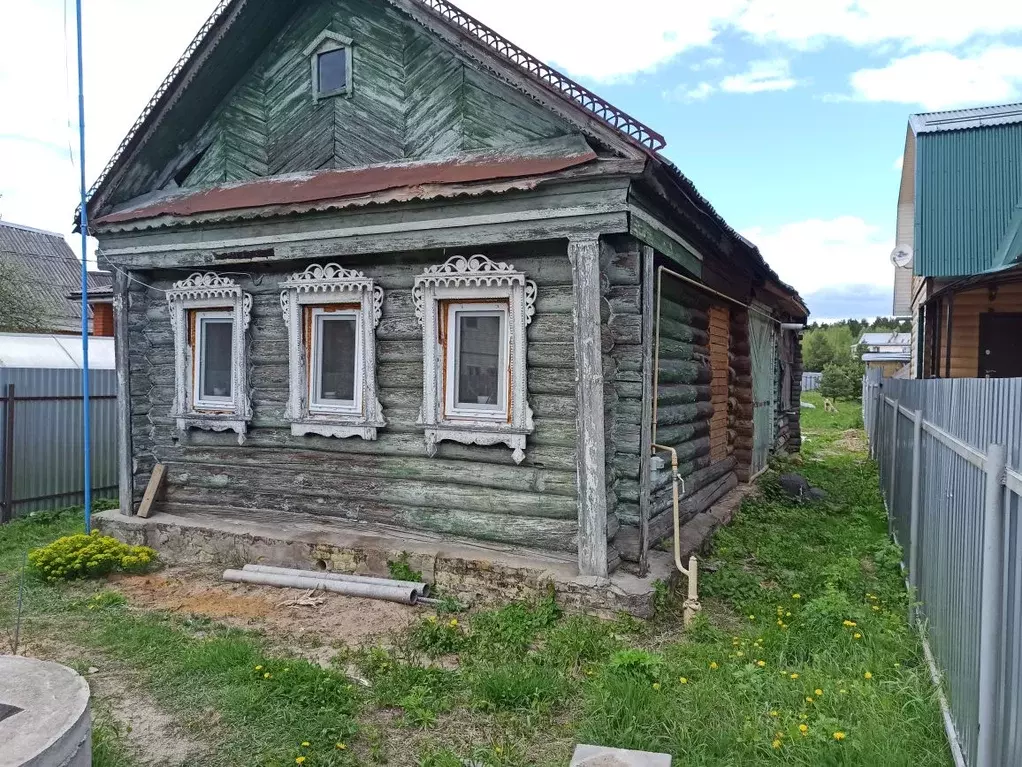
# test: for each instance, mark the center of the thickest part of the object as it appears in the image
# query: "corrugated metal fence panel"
(48, 463)
(979, 413)
(811, 381)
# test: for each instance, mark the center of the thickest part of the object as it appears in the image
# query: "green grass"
(803, 627)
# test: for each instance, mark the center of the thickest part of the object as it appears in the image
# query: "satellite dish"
(902, 256)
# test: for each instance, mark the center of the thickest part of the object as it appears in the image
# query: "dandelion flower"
(796, 596)
(787, 615)
(340, 746)
(453, 623)
(305, 744)
(774, 713)
(752, 617)
(656, 685)
(259, 668)
(839, 736)
(267, 675)
(794, 676)
(776, 744)
(713, 665)
(818, 692)
(683, 680)
(857, 635)
(740, 654)
(761, 663)
(876, 609)
(498, 750)
(868, 675)
(299, 760)
(809, 699)
(803, 728)
(849, 624)
(780, 622)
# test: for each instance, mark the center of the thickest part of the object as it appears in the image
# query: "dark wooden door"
(1000, 346)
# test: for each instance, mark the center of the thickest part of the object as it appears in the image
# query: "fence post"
(892, 486)
(913, 524)
(990, 605)
(7, 511)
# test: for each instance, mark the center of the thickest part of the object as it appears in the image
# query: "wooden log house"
(377, 265)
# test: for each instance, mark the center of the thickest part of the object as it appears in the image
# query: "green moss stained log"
(412, 98)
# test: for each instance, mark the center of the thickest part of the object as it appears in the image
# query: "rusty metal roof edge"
(421, 193)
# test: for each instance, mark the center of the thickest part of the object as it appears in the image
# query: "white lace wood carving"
(474, 278)
(318, 286)
(210, 291)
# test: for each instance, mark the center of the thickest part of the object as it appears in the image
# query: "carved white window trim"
(323, 286)
(475, 278)
(325, 43)
(203, 292)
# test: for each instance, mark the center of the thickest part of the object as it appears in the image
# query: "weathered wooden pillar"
(125, 479)
(591, 452)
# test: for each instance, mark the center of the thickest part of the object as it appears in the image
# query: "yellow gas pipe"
(692, 605)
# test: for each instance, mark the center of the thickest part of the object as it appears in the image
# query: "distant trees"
(19, 308)
(825, 344)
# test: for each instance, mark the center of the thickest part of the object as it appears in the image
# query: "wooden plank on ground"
(152, 490)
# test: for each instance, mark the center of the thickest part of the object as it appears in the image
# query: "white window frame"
(320, 316)
(462, 284)
(201, 318)
(190, 300)
(452, 352)
(325, 43)
(317, 289)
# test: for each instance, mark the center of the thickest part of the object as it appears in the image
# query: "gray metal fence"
(41, 438)
(811, 381)
(950, 457)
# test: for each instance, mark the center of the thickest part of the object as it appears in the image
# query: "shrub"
(89, 556)
(435, 637)
(842, 380)
(637, 664)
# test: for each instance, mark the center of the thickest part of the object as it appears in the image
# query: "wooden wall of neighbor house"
(794, 417)
(469, 491)
(968, 306)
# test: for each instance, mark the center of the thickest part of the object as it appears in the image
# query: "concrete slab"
(598, 756)
(44, 715)
(474, 572)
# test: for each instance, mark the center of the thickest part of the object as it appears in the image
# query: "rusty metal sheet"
(355, 182)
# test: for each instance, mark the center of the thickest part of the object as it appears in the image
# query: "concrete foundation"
(475, 573)
(598, 756)
(44, 715)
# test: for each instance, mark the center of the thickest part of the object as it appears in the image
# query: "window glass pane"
(216, 358)
(333, 71)
(478, 360)
(337, 363)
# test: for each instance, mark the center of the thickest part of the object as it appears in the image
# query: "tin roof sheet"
(964, 119)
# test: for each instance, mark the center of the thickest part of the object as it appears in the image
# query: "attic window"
(330, 57)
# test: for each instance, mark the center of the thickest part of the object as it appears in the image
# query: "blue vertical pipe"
(84, 226)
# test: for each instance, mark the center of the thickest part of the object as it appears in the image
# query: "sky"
(789, 115)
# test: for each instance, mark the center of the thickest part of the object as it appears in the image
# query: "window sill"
(484, 434)
(336, 427)
(218, 422)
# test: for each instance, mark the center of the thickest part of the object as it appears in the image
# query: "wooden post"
(646, 428)
(125, 473)
(913, 525)
(8, 499)
(152, 490)
(591, 450)
(991, 607)
(893, 484)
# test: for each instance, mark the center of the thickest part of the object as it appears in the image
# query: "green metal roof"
(968, 199)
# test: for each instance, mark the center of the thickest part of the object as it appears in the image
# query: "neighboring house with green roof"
(959, 242)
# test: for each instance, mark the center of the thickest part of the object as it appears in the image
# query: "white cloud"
(819, 254)
(686, 94)
(942, 80)
(123, 68)
(711, 63)
(772, 75)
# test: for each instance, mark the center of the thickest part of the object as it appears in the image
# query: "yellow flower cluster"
(88, 556)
